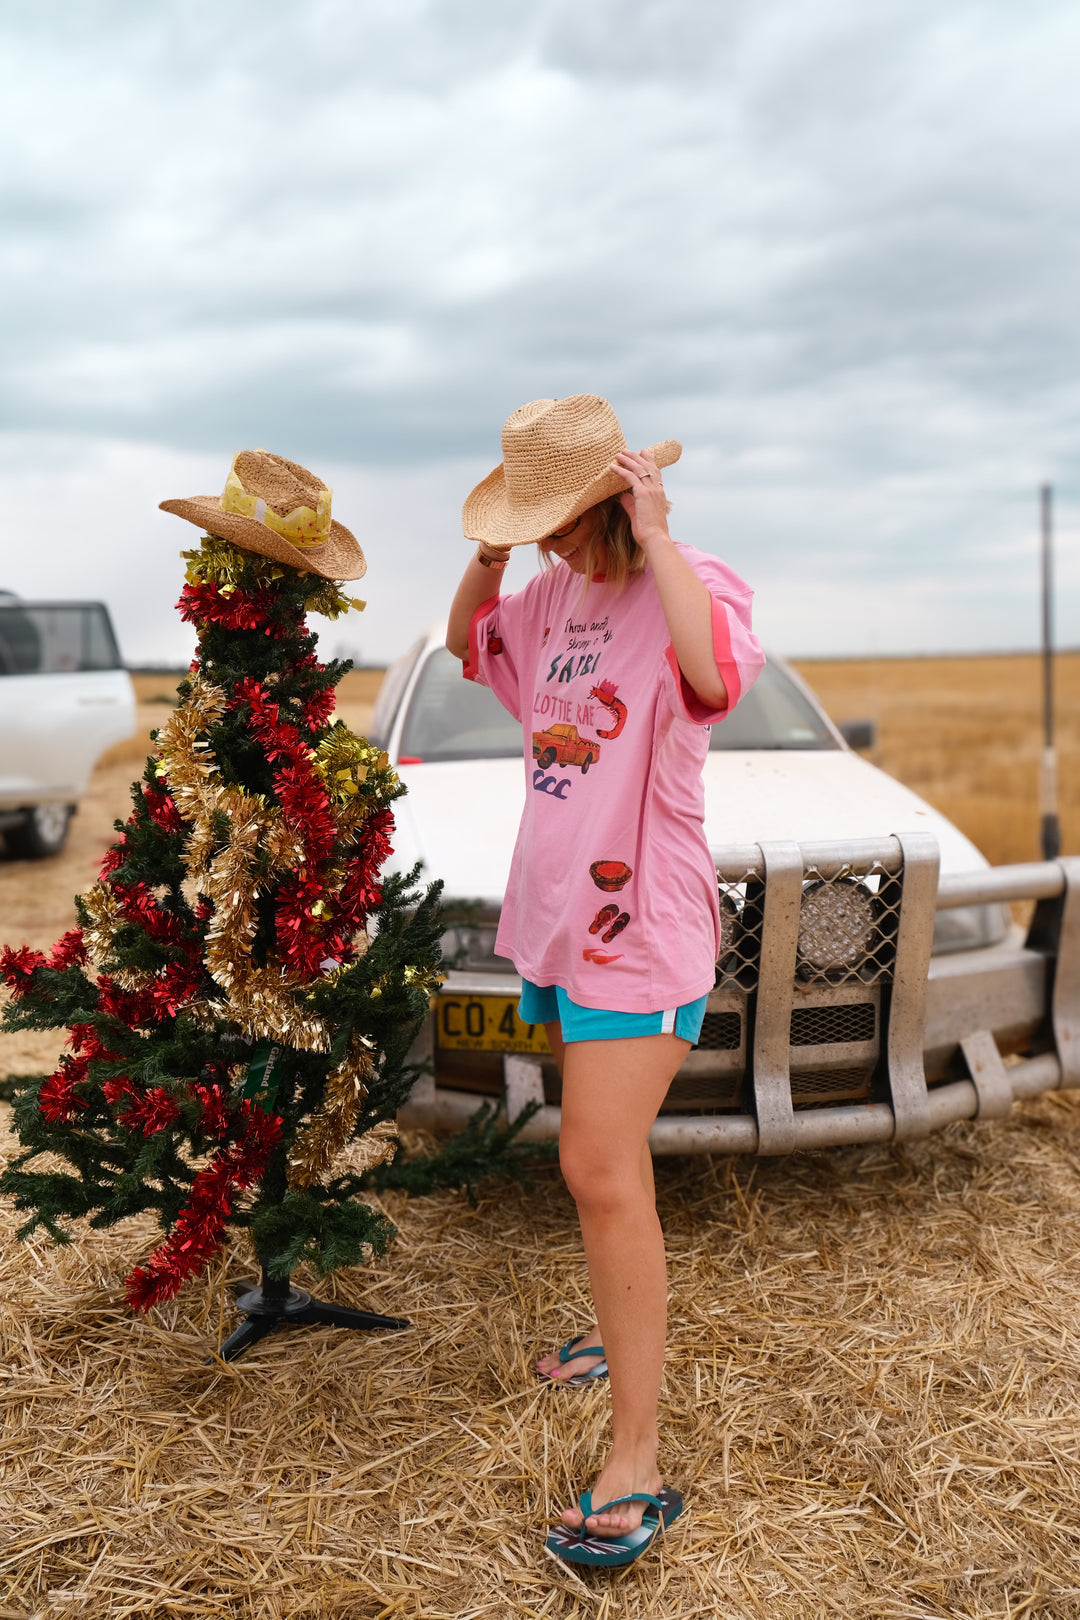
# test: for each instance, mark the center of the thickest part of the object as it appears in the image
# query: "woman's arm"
(685, 600)
(478, 583)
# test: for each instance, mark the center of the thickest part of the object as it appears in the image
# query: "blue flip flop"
(568, 1353)
(583, 1547)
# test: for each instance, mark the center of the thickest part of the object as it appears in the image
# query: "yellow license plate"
(485, 1024)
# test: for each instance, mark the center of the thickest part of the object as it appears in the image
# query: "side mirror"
(858, 733)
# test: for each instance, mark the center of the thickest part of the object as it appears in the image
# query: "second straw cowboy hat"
(557, 456)
(279, 509)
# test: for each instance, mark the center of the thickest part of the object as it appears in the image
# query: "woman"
(617, 657)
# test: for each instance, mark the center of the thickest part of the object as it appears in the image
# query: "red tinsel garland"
(135, 1008)
(216, 1114)
(162, 810)
(57, 1099)
(200, 1226)
(318, 708)
(142, 907)
(148, 1111)
(17, 967)
(115, 856)
(305, 941)
(240, 610)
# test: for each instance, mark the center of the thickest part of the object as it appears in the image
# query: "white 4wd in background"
(65, 697)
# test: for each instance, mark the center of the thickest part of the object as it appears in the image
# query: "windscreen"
(393, 685)
(55, 638)
(773, 714)
(451, 718)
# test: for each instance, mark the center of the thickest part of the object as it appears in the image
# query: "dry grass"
(871, 1403)
(966, 734)
(873, 1392)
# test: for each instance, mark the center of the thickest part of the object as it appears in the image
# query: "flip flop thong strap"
(635, 1496)
(568, 1353)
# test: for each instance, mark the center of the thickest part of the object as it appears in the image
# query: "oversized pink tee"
(612, 890)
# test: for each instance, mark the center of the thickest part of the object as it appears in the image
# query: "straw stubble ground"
(871, 1403)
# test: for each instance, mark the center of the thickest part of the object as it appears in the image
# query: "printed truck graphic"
(561, 745)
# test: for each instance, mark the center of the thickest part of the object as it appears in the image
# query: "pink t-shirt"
(612, 890)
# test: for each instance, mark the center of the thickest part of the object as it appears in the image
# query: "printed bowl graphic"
(610, 875)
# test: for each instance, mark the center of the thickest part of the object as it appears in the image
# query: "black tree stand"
(274, 1303)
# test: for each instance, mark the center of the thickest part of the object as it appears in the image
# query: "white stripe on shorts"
(667, 1022)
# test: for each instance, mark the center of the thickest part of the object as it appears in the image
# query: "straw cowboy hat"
(280, 510)
(556, 464)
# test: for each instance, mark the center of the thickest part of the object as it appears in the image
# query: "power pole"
(1050, 826)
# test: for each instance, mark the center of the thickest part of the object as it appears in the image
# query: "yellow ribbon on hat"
(302, 526)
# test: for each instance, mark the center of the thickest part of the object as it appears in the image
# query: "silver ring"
(646, 475)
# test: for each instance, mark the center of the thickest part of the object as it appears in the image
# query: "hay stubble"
(870, 1399)
(871, 1402)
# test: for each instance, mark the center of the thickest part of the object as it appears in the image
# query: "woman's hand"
(685, 600)
(645, 502)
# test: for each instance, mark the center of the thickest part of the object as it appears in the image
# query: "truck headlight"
(969, 928)
(837, 924)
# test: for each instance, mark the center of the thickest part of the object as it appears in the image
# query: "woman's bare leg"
(612, 1091)
(550, 1365)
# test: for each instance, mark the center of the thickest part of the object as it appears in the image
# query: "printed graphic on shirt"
(610, 876)
(582, 650)
(563, 745)
(611, 920)
(605, 915)
(557, 786)
(605, 694)
(494, 645)
(600, 958)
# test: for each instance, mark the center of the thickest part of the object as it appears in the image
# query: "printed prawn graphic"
(605, 694)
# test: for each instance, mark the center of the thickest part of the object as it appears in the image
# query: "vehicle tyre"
(547, 759)
(42, 832)
(586, 762)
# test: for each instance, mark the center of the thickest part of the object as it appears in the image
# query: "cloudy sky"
(830, 246)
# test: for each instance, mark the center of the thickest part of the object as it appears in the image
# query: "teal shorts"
(548, 1003)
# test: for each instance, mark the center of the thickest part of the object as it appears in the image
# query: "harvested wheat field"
(872, 1399)
(966, 734)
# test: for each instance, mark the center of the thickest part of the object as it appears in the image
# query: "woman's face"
(571, 541)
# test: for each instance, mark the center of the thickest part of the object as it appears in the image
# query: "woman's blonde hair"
(611, 536)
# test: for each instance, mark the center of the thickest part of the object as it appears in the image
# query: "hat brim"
(488, 514)
(339, 558)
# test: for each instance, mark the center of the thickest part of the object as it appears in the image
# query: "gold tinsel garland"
(315, 1150)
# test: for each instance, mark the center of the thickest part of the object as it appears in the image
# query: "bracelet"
(490, 562)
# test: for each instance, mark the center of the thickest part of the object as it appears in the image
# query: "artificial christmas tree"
(244, 984)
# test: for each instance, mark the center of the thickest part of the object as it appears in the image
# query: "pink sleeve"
(492, 640)
(738, 653)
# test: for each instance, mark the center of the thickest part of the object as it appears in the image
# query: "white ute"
(869, 985)
(65, 697)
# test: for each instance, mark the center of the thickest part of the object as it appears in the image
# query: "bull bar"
(831, 1023)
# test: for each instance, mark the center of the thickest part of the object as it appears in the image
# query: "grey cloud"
(831, 247)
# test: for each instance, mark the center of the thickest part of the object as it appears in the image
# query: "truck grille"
(721, 1032)
(833, 1026)
(829, 1086)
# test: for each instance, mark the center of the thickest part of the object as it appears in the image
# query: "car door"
(64, 698)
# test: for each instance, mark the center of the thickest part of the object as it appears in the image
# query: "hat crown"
(556, 447)
(283, 485)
